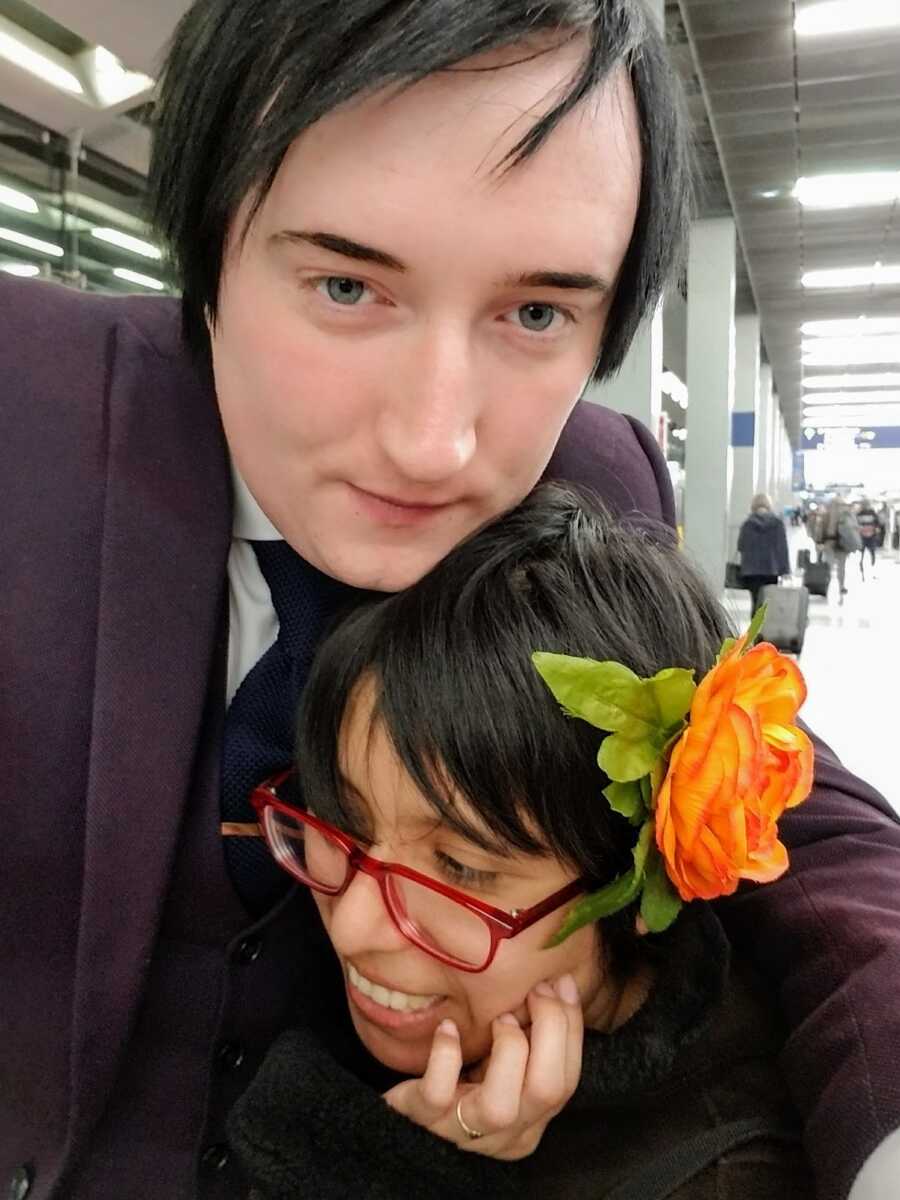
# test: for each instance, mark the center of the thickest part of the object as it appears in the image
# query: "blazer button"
(20, 1183)
(248, 950)
(215, 1158)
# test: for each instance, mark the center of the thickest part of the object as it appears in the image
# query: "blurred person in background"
(870, 531)
(837, 536)
(884, 523)
(762, 545)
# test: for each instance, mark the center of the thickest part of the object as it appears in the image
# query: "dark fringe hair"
(460, 700)
(243, 78)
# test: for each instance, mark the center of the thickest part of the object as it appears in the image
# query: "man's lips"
(394, 511)
(398, 502)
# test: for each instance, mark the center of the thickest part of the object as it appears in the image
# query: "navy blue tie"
(260, 722)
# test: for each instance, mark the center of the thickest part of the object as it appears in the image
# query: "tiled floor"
(851, 660)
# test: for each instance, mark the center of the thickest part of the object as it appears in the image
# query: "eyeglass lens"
(431, 920)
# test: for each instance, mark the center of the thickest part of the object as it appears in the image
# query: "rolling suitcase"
(817, 577)
(733, 575)
(786, 615)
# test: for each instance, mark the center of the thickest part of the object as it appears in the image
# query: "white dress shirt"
(253, 625)
(880, 1177)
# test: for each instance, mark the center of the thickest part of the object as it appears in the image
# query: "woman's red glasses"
(448, 924)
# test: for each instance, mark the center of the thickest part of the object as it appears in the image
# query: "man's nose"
(428, 427)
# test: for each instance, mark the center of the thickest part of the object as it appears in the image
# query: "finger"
(494, 1104)
(545, 1090)
(437, 1087)
(427, 1099)
(567, 991)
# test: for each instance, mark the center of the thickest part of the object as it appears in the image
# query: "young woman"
(454, 823)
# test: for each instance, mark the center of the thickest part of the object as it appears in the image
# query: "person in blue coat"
(762, 545)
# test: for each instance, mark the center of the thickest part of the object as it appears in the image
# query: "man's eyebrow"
(343, 246)
(564, 280)
(568, 280)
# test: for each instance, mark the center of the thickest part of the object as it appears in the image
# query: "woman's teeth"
(398, 1001)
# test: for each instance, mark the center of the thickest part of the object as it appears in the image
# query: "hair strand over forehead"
(244, 78)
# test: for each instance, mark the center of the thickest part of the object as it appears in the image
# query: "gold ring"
(470, 1133)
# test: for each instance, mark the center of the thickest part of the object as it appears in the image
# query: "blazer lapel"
(166, 534)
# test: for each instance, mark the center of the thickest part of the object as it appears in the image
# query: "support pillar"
(710, 367)
(764, 438)
(743, 424)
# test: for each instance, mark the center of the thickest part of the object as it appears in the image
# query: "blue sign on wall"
(743, 428)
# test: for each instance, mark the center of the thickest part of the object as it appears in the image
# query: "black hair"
(243, 78)
(457, 693)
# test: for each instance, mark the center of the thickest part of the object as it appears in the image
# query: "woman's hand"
(524, 1082)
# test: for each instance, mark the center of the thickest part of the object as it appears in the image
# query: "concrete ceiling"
(766, 108)
(781, 107)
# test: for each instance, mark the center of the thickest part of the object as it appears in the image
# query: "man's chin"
(384, 568)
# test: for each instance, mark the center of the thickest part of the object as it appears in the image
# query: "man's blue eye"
(344, 291)
(537, 318)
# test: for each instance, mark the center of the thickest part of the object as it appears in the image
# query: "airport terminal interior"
(767, 381)
(773, 366)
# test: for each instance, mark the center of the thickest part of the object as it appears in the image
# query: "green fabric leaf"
(608, 900)
(624, 760)
(605, 694)
(673, 690)
(626, 799)
(660, 903)
(657, 775)
(642, 848)
(727, 645)
(646, 784)
(756, 625)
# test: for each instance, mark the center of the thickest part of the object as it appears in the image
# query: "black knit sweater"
(683, 1101)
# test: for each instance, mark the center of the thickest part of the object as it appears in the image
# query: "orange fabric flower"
(739, 764)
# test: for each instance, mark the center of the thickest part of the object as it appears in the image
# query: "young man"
(409, 233)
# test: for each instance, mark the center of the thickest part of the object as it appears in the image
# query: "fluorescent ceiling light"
(142, 280)
(846, 16)
(10, 198)
(15, 49)
(861, 326)
(855, 416)
(850, 277)
(673, 386)
(24, 270)
(847, 190)
(113, 83)
(825, 398)
(126, 242)
(22, 239)
(888, 380)
(838, 352)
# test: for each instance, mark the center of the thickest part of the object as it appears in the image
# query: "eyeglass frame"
(501, 925)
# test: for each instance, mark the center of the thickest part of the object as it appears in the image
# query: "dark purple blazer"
(114, 532)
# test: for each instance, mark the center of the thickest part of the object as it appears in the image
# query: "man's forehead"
(463, 124)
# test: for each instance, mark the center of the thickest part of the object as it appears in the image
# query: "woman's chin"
(406, 1058)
